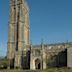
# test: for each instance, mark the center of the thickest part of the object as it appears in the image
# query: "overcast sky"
(50, 20)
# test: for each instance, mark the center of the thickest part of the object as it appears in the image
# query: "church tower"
(18, 36)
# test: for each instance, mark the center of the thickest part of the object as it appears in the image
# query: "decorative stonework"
(22, 54)
(18, 36)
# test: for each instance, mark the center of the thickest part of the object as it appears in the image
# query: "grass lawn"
(48, 70)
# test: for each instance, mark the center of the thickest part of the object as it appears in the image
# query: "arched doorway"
(37, 64)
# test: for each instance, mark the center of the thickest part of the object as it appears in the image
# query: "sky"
(50, 20)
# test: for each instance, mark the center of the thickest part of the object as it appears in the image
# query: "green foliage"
(57, 70)
(3, 62)
(48, 70)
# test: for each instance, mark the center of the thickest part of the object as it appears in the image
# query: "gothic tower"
(18, 36)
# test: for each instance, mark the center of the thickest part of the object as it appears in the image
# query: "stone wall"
(53, 55)
(69, 57)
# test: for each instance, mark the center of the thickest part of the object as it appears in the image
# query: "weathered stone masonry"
(22, 54)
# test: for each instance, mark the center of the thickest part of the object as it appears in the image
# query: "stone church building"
(22, 54)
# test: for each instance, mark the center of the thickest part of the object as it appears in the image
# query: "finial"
(42, 41)
(30, 42)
